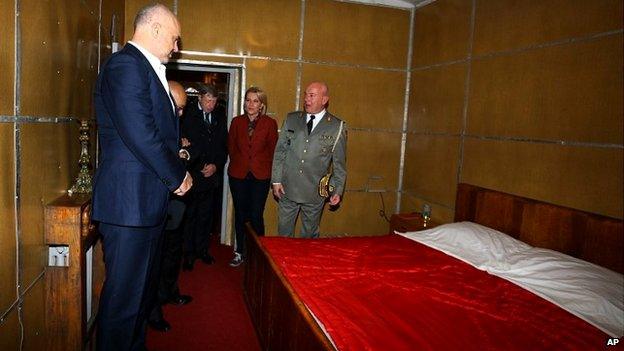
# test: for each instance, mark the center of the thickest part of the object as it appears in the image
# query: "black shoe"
(180, 300)
(160, 325)
(207, 258)
(187, 265)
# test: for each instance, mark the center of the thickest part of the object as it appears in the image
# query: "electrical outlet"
(58, 256)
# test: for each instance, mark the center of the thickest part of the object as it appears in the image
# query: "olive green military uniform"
(299, 162)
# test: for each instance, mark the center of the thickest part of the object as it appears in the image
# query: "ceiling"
(406, 4)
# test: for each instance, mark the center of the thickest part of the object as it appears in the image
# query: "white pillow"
(472, 243)
(588, 291)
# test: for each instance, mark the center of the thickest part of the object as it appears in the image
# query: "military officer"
(309, 143)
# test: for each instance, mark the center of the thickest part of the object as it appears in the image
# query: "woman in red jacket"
(251, 142)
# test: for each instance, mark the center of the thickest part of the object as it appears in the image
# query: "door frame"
(234, 108)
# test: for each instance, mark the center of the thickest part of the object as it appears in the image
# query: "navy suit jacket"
(138, 134)
(208, 145)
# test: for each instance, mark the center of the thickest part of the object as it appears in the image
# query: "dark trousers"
(249, 196)
(198, 223)
(129, 291)
(171, 258)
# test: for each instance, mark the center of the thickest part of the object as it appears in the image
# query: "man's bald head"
(179, 96)
(157, 29)
(316, 97)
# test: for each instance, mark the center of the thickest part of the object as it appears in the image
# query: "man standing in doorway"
(139, 166)
(206, 130)
(309, 143)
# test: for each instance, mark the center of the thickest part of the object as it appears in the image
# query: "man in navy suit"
(206, 129)
(139, 167)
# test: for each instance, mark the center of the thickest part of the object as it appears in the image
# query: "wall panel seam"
(523, 49)
(408, 82)
(17, 165)
(293, 60)
(407, 7)
(426, 199)
(508, 138)
(460, 161)
(374, 130)
(8, 310)
(546, 141)
(561, 42)
(36, 119)
(300, 55)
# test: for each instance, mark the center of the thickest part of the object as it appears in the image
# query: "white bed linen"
(590, 292)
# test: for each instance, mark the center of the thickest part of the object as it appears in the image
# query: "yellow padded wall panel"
(358, 215)
(7, 221)
(9, 329)
(59, 58)
(131, 9)
(355, 33)
(279, 82)
(270, 215)
(509, 24)
(439, 214)
(33, 313)
(46, 173)
(109, 8)
(264, 28)
(441, 32)
(210, 59)
(586, 178)
(567, 92)
(373, 160)
(437, 99)
(431, 167)
(364, 98)
(7, 62)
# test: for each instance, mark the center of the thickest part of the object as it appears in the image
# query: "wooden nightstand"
(409, 222)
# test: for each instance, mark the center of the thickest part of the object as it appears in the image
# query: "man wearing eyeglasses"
(206, 130)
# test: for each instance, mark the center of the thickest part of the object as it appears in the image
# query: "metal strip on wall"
(462, 138)
(408, 82)
(300, 55)
(17, 166)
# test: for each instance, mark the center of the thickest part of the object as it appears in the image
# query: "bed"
(296, 290)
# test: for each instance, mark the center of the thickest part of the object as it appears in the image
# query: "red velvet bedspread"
(391, 293)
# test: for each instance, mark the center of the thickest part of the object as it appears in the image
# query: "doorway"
(227, 79)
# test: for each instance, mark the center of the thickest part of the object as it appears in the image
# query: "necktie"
(310, 124)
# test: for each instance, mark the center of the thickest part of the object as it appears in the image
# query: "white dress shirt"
(317, 118)
(159, 68)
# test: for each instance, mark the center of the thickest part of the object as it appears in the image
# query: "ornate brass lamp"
(82, 184)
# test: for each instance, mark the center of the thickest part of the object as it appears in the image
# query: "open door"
(227, 78)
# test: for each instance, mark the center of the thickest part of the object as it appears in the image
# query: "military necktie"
(310, 124)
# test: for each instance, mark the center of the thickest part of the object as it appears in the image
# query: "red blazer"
(253, 154)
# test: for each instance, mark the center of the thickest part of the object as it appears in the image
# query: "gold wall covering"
(523, 97)
(519, 96)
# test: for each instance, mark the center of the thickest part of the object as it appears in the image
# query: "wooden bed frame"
(283, 322)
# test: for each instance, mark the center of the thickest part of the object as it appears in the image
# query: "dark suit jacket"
(253, 154)
(138, 134)
(208, 145)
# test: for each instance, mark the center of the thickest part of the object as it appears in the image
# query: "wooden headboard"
(590, 237)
